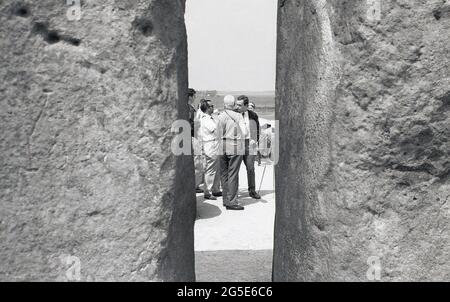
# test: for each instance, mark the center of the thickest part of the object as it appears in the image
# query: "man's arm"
(221, 126)
(209, 123)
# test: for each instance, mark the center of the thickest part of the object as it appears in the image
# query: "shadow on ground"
(206, 210)
(246, 200)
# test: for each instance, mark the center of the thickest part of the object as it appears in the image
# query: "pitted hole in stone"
(20, 9)
(93, 213)
(72, 41)
(445, 99)
(52, 37)
(437, 14)
(49, 36)
(144, 25)
(39, 28)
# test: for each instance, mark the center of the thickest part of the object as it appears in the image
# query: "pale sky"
(232, 44)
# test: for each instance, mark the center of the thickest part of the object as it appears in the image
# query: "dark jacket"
(254, 133)
(192, 113)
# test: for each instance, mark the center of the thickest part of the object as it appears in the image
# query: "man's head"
(242, 104)
(207, 107)
(229, 102)
(191, 95)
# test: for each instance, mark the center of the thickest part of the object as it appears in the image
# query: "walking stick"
(262, 178)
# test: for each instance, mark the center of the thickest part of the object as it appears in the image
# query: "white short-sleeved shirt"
(247, 125)
(209, 135)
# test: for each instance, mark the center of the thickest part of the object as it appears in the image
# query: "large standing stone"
(363, 99)
(87, 177)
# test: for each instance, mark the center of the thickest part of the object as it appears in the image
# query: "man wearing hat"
(198, 159)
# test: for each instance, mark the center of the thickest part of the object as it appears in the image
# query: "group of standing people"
(222, 140)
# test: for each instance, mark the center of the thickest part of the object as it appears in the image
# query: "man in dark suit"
(251, 142)
(192, 110)
(195, 143)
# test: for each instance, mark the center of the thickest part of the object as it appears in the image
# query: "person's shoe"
(217, 194)
(198, 190)
(254, 195)
(210, 197)
(235, 208)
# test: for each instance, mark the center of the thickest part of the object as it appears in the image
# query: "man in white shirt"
(210, 141)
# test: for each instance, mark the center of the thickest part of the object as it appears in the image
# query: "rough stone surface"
(86, 168)
(364, 110)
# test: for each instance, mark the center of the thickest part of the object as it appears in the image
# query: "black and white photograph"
(221, 142)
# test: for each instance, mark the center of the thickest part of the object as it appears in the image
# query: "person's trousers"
(249, 161)
(212, 175)
(198, 162)
(229, 166)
